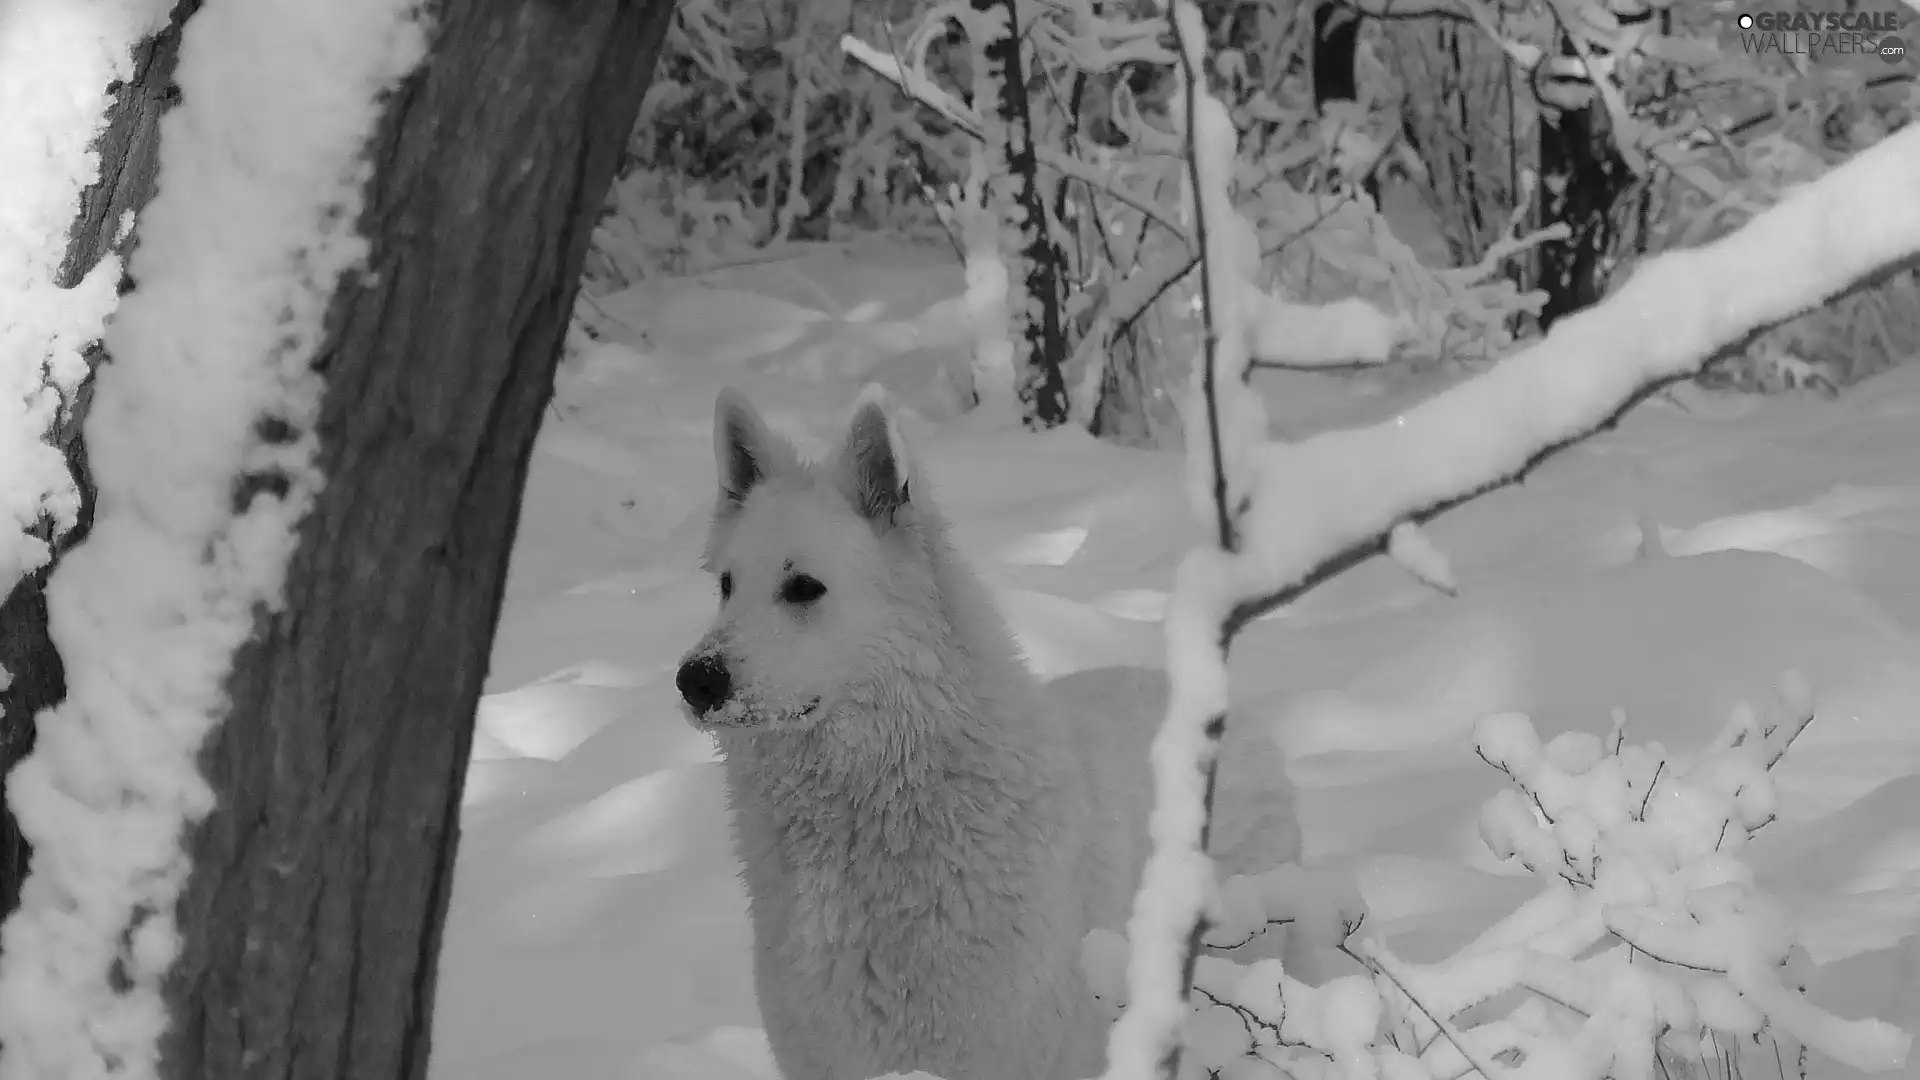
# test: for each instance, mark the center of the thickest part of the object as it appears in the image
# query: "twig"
(1383, 963)
(1648, 797)
(1252, 1020)
(1210, 333)
(1793, 736)
(924, 91)
(1632, 944)
(915, 85)
(1075, 169)
(1251, 936)
(797, 120)
(1170, 279)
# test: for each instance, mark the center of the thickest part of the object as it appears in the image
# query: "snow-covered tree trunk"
(1043, 389)
(311, 921)
(128, 151)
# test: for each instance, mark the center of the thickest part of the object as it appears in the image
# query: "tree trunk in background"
(1336, 43)
(311, 922)
(1121, 413)
(1582, 178)
(1043, 388)
(1663, 111)
(128, 149)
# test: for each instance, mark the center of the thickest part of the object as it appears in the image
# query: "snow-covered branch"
(1316, 499)
(914, 82)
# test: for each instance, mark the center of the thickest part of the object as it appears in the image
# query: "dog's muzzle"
(706, 686)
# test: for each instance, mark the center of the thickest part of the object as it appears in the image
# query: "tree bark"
(1043, 388)
(128, 149)
(311, 922)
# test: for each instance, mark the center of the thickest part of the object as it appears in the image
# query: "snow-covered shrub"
(1345, 248)
(753, 101)
(1648, 938)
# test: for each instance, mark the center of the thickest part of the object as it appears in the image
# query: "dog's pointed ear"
(873, 462)
(744, 448)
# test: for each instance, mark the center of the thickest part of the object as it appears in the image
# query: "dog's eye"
(726, 586)
(802, 589)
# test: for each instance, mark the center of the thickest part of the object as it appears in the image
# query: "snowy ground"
(598, 930)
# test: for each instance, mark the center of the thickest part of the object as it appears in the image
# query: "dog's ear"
(873, 462)
(744, 448)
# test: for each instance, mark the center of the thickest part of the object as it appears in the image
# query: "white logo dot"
(1746, 22)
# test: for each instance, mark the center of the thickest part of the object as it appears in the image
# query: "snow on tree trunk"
(128, 155)
(59, 60)
(249, 232)
(311, 922)
(1043, 389)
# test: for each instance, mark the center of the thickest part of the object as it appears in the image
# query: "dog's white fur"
(927, 832)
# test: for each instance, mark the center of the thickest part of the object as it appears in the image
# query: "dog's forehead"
(798, 523)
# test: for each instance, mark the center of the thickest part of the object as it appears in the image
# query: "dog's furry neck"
(902, 758)
(907, 778)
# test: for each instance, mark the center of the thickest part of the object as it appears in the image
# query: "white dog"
(927, 831)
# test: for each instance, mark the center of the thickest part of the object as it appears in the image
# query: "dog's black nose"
(704, 682)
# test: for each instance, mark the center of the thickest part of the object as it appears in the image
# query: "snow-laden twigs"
(913, 81)
(1649, 936)
(1643, 861)
(241, 250)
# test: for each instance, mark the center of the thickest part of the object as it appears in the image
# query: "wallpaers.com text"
(1823, 33)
